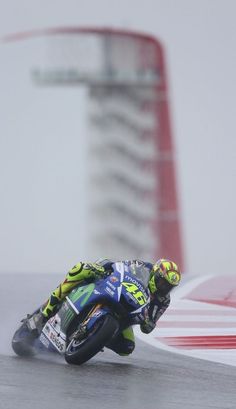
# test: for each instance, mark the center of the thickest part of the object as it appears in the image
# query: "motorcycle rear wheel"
(78, 352)
(22, 342)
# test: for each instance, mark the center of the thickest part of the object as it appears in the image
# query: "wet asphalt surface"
(149, 378)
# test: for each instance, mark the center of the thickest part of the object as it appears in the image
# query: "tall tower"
(132, 206)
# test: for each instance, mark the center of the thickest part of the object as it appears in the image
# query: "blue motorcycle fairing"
(95, 315)
(110, 289)
(121, 287)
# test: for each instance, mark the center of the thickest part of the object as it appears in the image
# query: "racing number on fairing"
(134, 290)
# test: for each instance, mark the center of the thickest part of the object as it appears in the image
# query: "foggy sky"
(199, 38)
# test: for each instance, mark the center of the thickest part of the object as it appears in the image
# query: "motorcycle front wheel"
(80, 351)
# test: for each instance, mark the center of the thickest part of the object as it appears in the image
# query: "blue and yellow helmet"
(165, 276)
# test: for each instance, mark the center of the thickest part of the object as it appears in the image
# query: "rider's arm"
(157, 307)
(79, 274)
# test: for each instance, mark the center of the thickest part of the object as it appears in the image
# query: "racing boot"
(36, 322)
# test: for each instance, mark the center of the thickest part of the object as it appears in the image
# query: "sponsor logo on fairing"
(140, 287)
(46, 329)
(108, 290)
(97, 313)
(44, 340)
(56, 341)
(138, 263)
(113, 279)
(55, 337)
(96, 292)
(111, 285)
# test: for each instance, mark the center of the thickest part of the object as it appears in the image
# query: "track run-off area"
(201, 321)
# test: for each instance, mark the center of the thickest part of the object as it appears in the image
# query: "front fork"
(96, 311)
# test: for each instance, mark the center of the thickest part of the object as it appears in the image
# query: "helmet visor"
(162, 285)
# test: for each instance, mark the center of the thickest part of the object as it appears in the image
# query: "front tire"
(78, 352)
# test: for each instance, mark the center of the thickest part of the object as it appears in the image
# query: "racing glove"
(94, 270)
(147, 326)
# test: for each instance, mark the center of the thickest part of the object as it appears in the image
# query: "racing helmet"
(165, 276)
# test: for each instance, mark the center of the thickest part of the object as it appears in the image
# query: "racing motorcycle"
(90, 317)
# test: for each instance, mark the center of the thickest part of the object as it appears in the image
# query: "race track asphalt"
(148, 379)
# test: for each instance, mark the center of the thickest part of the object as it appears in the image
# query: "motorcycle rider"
(164, 275)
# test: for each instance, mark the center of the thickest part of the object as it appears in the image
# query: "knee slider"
(127, 348)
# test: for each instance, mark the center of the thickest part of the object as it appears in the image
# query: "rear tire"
(78, 352)
(22, 342)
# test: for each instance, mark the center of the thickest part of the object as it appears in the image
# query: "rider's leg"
(124, 343)
(81, 273)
